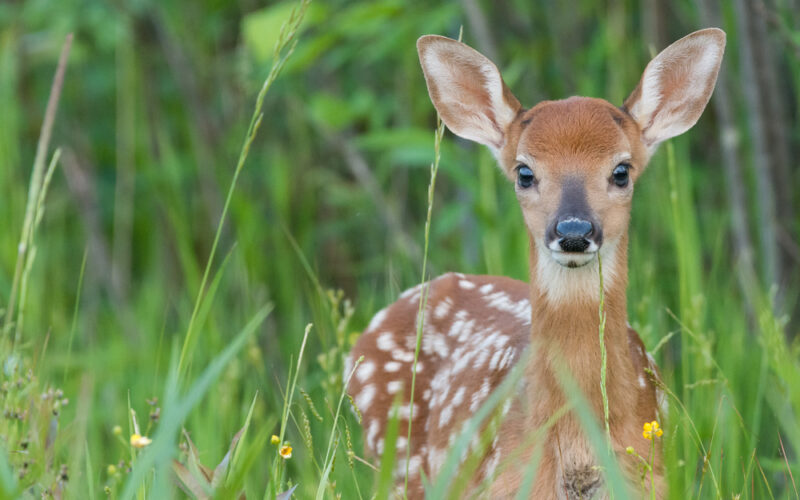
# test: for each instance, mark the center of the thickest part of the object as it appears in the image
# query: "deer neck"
(566, 325)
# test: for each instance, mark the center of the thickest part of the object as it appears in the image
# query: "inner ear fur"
(676, 86)
(467, 90)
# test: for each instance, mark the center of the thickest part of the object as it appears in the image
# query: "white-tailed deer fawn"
(574, 164)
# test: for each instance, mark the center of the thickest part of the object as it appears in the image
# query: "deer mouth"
(573, 256)
(573, 260)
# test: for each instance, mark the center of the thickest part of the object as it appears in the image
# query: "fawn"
(574, 163)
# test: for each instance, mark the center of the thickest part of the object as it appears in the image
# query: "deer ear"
(467, 91)
(676, 86)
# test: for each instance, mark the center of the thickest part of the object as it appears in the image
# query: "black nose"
(573, 234)
(574, 228)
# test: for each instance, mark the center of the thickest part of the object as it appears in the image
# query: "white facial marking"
(565, 285)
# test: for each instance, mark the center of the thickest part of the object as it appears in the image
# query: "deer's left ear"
(676, 86)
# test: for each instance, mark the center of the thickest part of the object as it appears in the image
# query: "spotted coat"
(474, 330)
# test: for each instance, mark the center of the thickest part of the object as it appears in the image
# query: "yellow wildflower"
(651, 429)
(111, 469)
(286, 451)
(117, 430)
(138, 441)
(274, 439)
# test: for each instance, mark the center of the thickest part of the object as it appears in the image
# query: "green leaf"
(261, 28)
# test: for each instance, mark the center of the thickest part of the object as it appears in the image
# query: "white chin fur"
(562, 282)
(573, 259)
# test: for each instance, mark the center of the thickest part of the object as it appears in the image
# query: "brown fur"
(476, 327)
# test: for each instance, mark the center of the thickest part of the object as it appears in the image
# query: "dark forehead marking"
(617, 115)
(531, 114)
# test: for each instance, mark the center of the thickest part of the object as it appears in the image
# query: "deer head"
(574, 162)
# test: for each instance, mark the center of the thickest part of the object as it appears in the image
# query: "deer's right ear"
(467, 91)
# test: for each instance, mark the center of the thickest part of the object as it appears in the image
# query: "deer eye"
(525, 177)
(620, 175)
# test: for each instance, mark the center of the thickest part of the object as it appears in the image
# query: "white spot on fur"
(458, 397)
(413, 465)
(405, 356)
(404, 411)
(392, 366)
(480, 359)
(410, 291)
(519, 309)
(442, 308)
(495, 360)
(401, 443)
(372, 433)
(364, 397)
(365, 371)
(466, 285)
(508, 358)
(436, 458)
(435, 343)
(385, 341)
(445, 416)
(378, 319)
(494, 460)
(394, 386)
(479, 396)
(400, 469)
(506, 407)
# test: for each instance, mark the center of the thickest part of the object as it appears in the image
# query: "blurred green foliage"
(155, 106)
